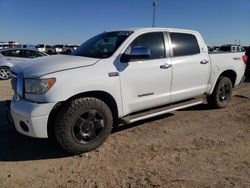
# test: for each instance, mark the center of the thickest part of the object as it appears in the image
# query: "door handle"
(165, 66)
(203, 62)
(8, 58)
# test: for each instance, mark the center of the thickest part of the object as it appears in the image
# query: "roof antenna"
(154, 9)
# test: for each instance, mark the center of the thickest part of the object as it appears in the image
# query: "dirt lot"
(195, 147)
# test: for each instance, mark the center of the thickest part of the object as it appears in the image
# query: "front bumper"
(31, 118)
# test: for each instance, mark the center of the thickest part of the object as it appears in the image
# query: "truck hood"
(49, 64)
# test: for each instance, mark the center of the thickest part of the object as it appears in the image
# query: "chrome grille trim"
(20, 85)
(17, 82)
(14, 82)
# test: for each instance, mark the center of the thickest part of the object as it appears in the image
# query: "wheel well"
(104, 96)
(5, 66)
(231, 75)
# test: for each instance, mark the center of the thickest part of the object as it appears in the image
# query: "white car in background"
(58, 48)
(65, 49)
(4, 45)
(13, 56)
(69, 48)
(45, 48)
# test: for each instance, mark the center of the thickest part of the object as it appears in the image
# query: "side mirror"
(136, 53)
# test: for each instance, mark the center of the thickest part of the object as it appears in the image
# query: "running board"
(159, 111)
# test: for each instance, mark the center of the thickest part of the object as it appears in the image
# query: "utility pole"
(154, 9)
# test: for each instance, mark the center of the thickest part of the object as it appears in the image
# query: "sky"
(74, 21)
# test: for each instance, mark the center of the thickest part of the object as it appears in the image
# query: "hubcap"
(224, 93)
(4, 73)
(88, 126)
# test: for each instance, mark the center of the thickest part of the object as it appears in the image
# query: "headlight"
(38, 86)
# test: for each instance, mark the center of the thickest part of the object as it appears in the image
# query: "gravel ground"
(195, 147)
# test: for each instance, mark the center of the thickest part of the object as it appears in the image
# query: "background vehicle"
(12, 44)
(216, 48)
(45, 48)
(210, 49)
(231, 48)
(69, 48)
(13, 56)
(58, 48)
(119, 77)
(4, 45)
(30, 46)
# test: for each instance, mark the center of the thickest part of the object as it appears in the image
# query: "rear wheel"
(4, 73)
(83, 125)
(222, 93)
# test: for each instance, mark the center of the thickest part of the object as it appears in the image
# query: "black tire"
(4, 73)
(83, 125)
(222, 93)
(68, 52)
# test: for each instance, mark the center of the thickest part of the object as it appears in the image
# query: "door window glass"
(31, 54)
(153, 41)
(184, 44)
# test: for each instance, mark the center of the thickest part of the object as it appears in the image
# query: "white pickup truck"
(115, 78)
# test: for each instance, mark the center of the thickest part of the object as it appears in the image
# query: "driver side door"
(146, 83)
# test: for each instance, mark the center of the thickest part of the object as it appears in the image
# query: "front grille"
(17, 82)
(14, 82)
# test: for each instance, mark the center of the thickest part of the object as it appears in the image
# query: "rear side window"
(184, 44)
(12, 53)
(154, 41)
(31, 54)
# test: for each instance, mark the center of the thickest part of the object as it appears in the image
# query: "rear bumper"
(30, 118)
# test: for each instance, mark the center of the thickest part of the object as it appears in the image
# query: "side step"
(160, 111)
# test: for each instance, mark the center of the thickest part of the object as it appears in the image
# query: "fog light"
(24, 126)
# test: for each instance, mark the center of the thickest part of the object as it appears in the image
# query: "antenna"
(154, 9)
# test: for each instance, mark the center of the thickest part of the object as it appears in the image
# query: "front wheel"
(4, 73)
(83, 125)
(222, 93)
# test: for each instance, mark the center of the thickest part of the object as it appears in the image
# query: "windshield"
(102, 45)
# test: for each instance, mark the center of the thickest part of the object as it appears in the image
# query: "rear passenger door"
(191, 67)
